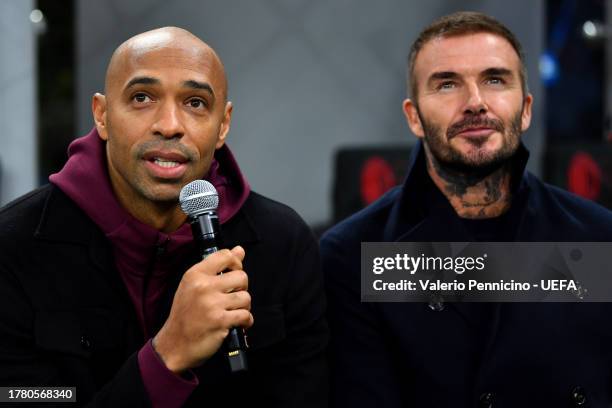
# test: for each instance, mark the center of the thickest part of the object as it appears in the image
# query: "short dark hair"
(457, 24)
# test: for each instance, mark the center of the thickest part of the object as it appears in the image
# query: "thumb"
(238, 251)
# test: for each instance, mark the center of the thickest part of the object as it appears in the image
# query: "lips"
(475, 132)
(165, 156)
(165, 164)
(475, 127)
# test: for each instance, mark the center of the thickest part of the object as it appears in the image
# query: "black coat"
(460, 354)
(66, 318)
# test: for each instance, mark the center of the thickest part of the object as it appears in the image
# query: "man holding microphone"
(101, 284)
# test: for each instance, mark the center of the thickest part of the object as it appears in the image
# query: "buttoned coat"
(395, 355)
(66, 318)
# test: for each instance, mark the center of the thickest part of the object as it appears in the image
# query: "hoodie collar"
(84, 178)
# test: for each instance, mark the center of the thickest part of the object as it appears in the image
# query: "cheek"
(126, 123)
(118, 154)
(120, 148)
(207, 152)
(506, 107)
(204, 137)
(438, 121)
(442, 112)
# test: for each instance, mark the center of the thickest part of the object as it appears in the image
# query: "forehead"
(169, 61)
(465, 54)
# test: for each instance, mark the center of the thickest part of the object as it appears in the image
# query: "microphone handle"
(205, 229)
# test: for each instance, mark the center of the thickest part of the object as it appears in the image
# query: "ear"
(225, 125)
(526, 115)
(98, 108)
(412, 117)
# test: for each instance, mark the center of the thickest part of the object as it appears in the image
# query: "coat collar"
(241, 229)
(62, 220)
(408, 219)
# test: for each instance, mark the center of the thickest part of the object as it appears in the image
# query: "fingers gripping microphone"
(199, 200)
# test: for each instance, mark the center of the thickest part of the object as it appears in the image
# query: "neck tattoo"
(473, 195)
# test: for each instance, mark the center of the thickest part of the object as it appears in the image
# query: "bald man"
(101, 284)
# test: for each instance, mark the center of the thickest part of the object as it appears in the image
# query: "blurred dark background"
(317, 88)
(56, 85)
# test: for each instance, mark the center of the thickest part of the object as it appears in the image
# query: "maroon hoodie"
(140, 250)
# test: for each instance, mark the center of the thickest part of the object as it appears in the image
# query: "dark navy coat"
(460, 354)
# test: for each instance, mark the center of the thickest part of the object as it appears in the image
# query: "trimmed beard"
(480, 164)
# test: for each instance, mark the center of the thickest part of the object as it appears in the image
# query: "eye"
(496, 81)
(446, 85)
(197, 103)
(141, 97)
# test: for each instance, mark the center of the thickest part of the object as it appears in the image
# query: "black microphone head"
(198, 197)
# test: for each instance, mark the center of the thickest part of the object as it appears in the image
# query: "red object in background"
(584, 176)
(377, 177)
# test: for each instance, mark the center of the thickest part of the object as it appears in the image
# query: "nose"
(475, 103)
(168, 122)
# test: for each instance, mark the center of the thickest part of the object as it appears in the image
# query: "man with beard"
(102, 286)
(467, 182)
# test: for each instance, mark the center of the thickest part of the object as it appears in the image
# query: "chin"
(480, 155)
(487, 143)
(162, 194)
(481, 161)
(476, 152)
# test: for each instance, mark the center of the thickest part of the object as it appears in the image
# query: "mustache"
(474, 122)
(175, 145)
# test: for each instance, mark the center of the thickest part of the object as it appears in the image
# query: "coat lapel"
(409, 222)
(63, 221)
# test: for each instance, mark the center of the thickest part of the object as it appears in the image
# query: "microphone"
(199, 200)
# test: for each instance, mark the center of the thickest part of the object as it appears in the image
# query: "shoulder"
(19, 223)
(340, 246)
(272, 216)
(365, 225)
(267, 206)
(22, 215)
(45, 215)
(34, 200)
(573, 211)
(276, 227)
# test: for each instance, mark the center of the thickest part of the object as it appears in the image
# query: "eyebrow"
(494, 71)
(497, 72)
(144, 80)
(440, 76)
(437, 76)
(199, 85)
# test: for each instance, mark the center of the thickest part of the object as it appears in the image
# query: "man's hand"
(206, 305)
